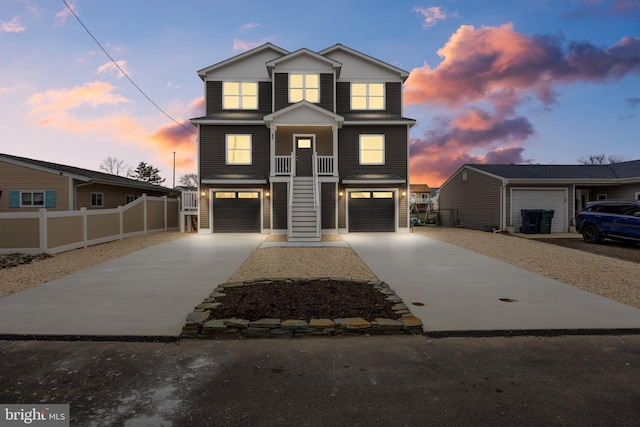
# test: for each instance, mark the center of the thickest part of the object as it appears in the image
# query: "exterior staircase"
(304, 215)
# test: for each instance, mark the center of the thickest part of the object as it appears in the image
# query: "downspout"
(503, 204)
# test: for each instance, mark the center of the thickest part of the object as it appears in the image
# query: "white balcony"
(324, 165)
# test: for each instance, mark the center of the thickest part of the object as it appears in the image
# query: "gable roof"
(303, 52)
(81, 174)
(267, 46)
(615, 171)
(404, 74)
(305, 107)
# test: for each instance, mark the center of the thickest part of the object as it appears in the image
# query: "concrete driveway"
(150, 292)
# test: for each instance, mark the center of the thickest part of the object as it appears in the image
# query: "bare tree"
(601, 159)
(189, 180)
(114, 166)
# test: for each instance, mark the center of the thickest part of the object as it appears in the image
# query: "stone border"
(199, 325)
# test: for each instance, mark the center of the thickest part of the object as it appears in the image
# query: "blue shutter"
(14, 198)
(50, 199)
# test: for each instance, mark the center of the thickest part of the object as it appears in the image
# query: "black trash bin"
(530, 220)
(546, 216)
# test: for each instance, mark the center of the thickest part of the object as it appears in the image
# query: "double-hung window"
(304, 87)
(97, 200)
(367, 96)
(32, 198)
(238, 149)
(372, 149)
(240, 95)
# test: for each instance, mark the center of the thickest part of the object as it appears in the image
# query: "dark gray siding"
(214, 97)
(393, 98)
(279, 202)
(328, 205)
(282, 91)
(212, 150)
(395, 150)
(475, 202)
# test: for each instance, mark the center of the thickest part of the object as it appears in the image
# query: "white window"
(372, 149)
(304, 87)
(96, 199)
(238, 149)
(240, 95)
(32, 198)
(367, 96)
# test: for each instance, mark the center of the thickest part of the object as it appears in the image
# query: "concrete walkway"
(147, 293)
(462, 290)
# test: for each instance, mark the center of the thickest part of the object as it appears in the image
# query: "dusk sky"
(522, 81)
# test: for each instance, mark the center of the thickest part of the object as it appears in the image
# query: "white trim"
(226, 149)
(384, 149)
(373, 181)
(367, 96)
(234, 181)
(240, 96)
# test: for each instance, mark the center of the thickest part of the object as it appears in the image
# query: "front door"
(304, 156)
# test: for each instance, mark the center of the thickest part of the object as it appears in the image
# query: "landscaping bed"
(301, 307)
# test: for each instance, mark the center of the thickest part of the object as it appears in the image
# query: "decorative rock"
(293, 324)
(216, 294)
(265, 323)
(280, 332)
(321, 323)
(411, 322)
(388, 324)
(400, 306)
(352, 323)
(197, 317)
(214, 325)
(237, 323)
(394, 298)
(231, 285)
(209, 305)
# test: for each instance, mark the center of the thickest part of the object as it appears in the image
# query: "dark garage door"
(371, 211)
(236, 212)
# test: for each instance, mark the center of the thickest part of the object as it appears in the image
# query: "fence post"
(85, 226)
(165, 212)
(42, 225)
(144, 203)
(121, 217)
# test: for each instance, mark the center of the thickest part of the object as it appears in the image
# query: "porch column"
(334, 128)
(272, 149)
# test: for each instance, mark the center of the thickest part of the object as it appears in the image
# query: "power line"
(124, 72)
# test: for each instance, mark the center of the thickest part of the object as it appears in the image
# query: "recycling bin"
(544, 225)
(530, 220)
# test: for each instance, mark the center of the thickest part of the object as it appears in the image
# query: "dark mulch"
(620, 250)
(305, 300)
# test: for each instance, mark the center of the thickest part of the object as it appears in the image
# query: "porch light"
(267, 194)
(341, 193)
(202, 193)
(404, 193)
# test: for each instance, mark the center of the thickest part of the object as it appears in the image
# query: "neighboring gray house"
(491, 197)
(303, 143)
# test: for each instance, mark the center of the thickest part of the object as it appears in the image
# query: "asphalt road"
(356, 381)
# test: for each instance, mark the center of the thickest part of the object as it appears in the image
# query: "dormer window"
(240, 95)
(367, 96)
(304, 87)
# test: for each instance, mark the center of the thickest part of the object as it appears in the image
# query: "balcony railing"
(324, 165)
(189, 201)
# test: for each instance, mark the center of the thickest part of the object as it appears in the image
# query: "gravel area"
(612, 278)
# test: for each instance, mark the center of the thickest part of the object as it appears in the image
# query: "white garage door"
(555, 200)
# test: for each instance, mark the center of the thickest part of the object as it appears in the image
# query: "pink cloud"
(110, 67)
(241, 45)
(485, 75)
(432, 15)
(13, 26)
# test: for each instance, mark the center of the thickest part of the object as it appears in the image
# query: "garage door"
(540, 199)
(236, 212)
(371, 211)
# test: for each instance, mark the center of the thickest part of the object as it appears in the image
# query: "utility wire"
(124, 72)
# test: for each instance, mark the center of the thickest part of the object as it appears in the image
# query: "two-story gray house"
(303, 143)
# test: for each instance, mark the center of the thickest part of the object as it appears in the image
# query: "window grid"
(304, 87)
(372, 149)
(367, 96)
(238, 149)
(32, 198)
(240, 95)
